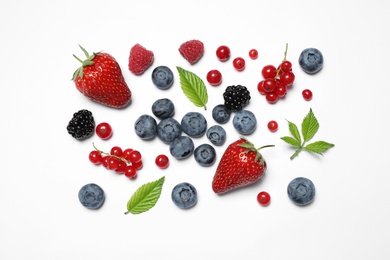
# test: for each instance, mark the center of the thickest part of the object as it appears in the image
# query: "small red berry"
(95, 157)
(264, 198)
(239, 63)
(272, 97)
(253, 54)
(281, 90)
(214, 77)
(105, 161)
(286, 66)
(117, 151)
(135, 156)
(272, 126)
(104, 131)
(268, 72)
(287, 78)
(112, 163)
(162, 161)
(138, 165)
(130, 172)
(260, 87)
(269, 85)
(121, 167)
(307, 94)
(223, 53)
(126, 154)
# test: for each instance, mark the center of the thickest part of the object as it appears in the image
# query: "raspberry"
(140, 59)
(236, 97)
(82, 125)
(192, 50)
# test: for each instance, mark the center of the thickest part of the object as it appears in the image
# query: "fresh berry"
(182, 147)
(260, 87)
(121, 167)
(130, 171)
(263, 198)
(95, 157)
(221, 114)
(268, 72)
(307, 94)
(146, 127)
(104, 130)
(192, 50)
(82, 125)
(244, 121)
(269, 85)
(216, 135)
(205, 155)
(253, 54)
(285, 66)
(140, 59)
(91, 196)
(135, 156)
(287, 78)
(162, 161)
(138, 165)
(163, 108)
(168, 130)
(239, 63)
(194, 124)
(184, 195)
(272, 126)
(240, 165)
(100, 79)
(214, 77)
(223, 53)
(236, 97)
(162, 77)
(112, 163)
(301, 191)
(272, 97)
(280, 90)
(117, 151)
(126, 153)
(311, 60)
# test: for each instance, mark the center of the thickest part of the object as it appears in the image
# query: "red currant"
(260, 87)
(281, 90)
(130, 172)
(104, 131)
(272, 126)
(135, 156)
(239, 63)
(112, 163)
(223, 53)
(117, 151)
(285, 66)
(121, 167)
(269, 85)
(264, 198)
(162, 161)
(271, 98)
(253, 54)
(138, 165)
(287, 78)
(126, 154)
(307, 94)
(95, 157)
(214, 77)
(268, 72)
(105, 161)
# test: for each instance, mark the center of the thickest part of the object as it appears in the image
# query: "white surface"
(43, 167)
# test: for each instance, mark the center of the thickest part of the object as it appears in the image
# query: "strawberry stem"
(265, 146)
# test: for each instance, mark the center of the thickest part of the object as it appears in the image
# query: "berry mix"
(108, 88)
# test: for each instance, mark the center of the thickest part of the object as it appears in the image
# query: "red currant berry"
(130, 172)
(287, 78)
(105, 161)
(264, 198)
(117, 151)
(269, 85)
(268, 72)
(214, 77)
(271, 98)
(135, 156)
(162, 161)
(281, 90)
(126, 154)
(138, 165)
(260, 87)
(285, 66)
(253, 54)
(307, 94)
(95, 157)
(104, 131)
(223, 53)
(239, 63)
(121, 167)
(272, 126)
(112, 163)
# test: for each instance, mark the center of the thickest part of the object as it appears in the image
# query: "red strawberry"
(192, 50)
(100, 79)
(140, 59)
(240, 165)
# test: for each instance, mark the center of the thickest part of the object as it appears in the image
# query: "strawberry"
(192, 50)
(100, 79)
(240, 165)
(140, 59)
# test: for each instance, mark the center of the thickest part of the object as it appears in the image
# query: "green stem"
(265, 146)
(298, 151)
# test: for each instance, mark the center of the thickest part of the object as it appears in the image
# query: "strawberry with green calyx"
(241, 164)
(100, 79)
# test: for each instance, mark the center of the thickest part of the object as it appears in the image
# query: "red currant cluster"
(126, 162)
(276, 81)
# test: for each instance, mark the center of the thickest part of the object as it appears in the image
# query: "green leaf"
(294, 131)
(309, 126)
(291, 140)
(318, 147)
(145, 197)
(193, 87)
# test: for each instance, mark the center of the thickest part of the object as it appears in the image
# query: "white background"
(43, 167)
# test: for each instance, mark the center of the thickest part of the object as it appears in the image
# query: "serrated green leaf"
(291, 140)
(294, 131)
(309, 126)
(193, 87)
(318, 147)
(145, 197)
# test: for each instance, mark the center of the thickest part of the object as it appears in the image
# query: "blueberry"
(146, 127)
(182, 147)
(162, 77)
(91, 196)
(163, 108)
(205, 155)
(168, 129)
(194, 124)
(311, 60)
(184, 195)
(244, 122)
(221, 114)
(216, 134)
(301, 191)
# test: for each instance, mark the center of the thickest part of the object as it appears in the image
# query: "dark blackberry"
(82, 125)
(236, 97)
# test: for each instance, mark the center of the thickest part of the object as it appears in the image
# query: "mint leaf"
(193, 87)
(294, 131)
(145, 197)
(318, 147)
(291, 140)
(309, 126)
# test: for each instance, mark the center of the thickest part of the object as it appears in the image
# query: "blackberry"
(236, 97)
(82, 125)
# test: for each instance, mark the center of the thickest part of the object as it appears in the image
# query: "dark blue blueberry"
(194, 124)
(311, 60)
(301, 191)
(216, 134)
(182, 147)
(184, 195)
(162, 77)
(91, 196)
(221, 114)
(168, 129)
(163, 108)
(244, 122)
(146, 127)
(205, 155)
